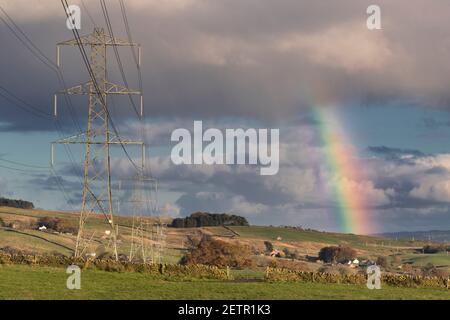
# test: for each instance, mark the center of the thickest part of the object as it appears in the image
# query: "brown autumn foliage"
(215, 252)
(58, 224)
(290, 265)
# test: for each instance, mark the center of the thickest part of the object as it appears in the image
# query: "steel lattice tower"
(97, 193)
(141, 232)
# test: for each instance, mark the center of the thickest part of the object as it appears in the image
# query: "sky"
(309, 68)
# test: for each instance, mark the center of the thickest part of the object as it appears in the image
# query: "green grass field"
(288, 234)
(437, 259)
(23, 282)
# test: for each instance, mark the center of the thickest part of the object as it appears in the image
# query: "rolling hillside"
(306, 242)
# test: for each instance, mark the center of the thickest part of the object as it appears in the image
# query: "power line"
(99, 123)
(23, 102)
(138, 66)
(23, 164)
(116, 53)
(88, 13)
(33, 110)
(68, 151)
(21, 170)
(22, 37)
(97, 88)
(130, 39)
(35, 51)
(10, 97)
(60, 186)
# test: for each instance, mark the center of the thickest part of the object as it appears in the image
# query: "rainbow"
(343, 167)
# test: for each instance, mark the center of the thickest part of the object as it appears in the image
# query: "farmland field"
(437, 259)
(24, 282)
(37, 282)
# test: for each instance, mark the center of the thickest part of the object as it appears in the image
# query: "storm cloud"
(261, 59)
(252, 63)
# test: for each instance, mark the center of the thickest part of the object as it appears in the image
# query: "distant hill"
(432, 235)
(13, 203)
(205, 219)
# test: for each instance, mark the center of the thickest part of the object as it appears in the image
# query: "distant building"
(353, 263)
(276, 253)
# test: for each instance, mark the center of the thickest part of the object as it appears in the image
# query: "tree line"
(21, 204)
(205, 219)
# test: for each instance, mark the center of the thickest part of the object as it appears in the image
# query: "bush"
(290, 265)
(57, 224)
(2, 223)
(335, 254)
(66, 226)
(290, 254)
(434, 248)
(213, 252)
(397, 259)
(382, 262)
(435, 272)
(48, 222)
(269, 246)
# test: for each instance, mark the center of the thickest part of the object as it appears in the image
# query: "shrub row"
(277, 274)
(166, 270)
(415, 281)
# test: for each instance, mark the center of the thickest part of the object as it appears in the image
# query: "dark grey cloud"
(258, 59)
(266, 61)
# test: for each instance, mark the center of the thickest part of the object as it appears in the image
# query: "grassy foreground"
(24, 282)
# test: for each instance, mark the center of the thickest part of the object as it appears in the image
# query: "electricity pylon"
(141, 232)
(159, 240)
(97, 193)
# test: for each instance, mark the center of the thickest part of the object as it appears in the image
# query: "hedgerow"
(166, 270)
(284, 275)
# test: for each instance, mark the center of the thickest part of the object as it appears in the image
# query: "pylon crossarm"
(138, 201)
(81, 139)
(102, 39)
(89, 88)
(113, 88)
(84, 88)
(114, 139)
(71, 138)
